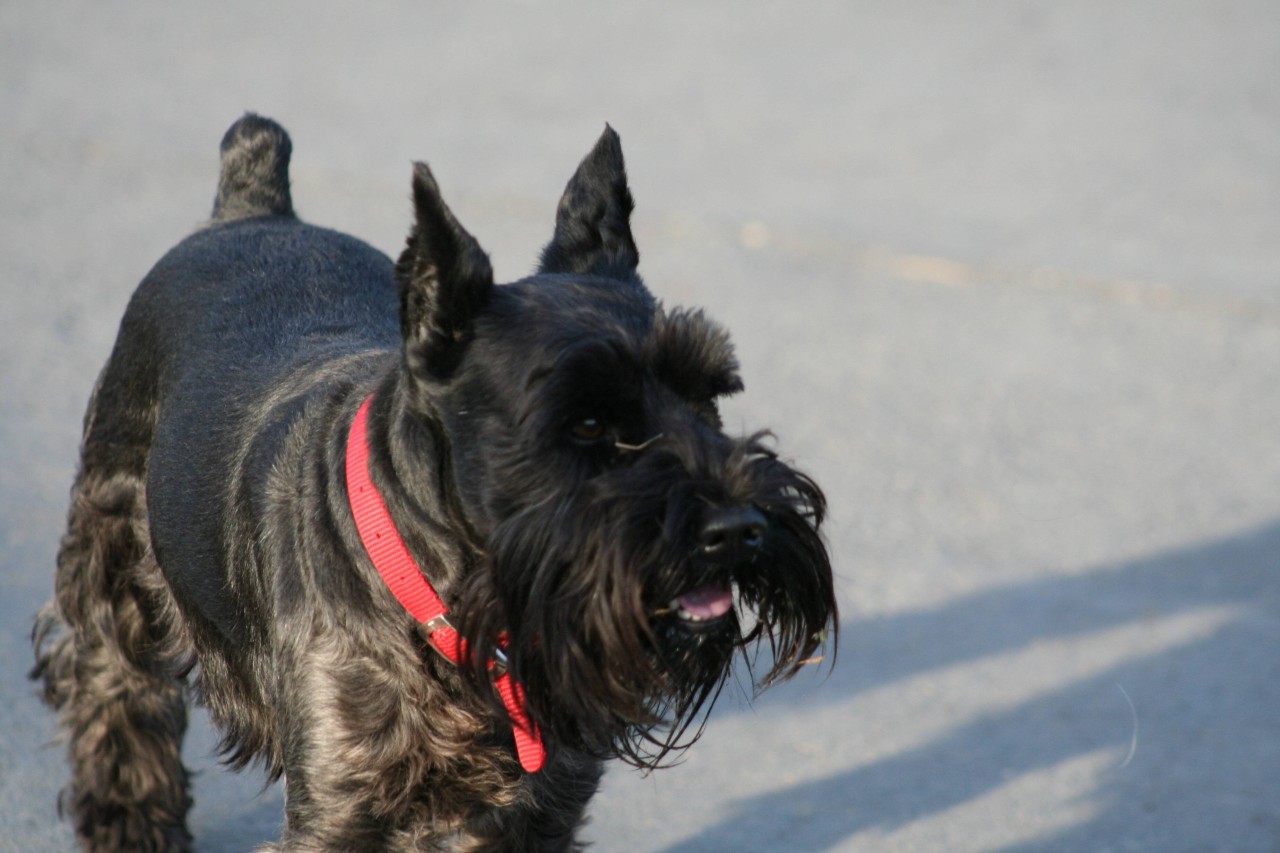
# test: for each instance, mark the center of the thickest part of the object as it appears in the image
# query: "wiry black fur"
(551, 453)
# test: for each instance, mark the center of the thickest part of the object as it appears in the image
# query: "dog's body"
(550, 455)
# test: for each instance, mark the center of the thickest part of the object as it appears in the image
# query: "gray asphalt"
(1004, 276)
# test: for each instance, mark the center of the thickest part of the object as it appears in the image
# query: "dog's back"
(256, 294)
(257, 291)
(227, 337)
(256, 312)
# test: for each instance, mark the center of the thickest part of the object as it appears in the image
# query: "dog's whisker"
(636, 448)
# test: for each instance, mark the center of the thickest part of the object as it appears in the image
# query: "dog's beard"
(585, 591)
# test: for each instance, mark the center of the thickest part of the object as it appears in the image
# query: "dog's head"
(627, 546)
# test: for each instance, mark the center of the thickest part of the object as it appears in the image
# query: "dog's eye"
(588, 429)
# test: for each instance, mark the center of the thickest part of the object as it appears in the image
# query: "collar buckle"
(426, 630)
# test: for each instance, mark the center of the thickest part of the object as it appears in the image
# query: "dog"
(429, 549)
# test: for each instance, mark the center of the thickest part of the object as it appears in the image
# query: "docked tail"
(255, 171)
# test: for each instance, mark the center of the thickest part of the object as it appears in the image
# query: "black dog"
(293, 437)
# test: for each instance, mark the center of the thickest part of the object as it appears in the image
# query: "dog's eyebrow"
(693, 354)
(598, 357)
(597, 377)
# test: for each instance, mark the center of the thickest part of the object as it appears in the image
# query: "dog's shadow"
(1214, 675)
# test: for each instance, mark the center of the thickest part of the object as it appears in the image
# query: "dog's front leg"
(332, 772)
(371, 746)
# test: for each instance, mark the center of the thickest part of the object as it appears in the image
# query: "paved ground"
(1004, 275)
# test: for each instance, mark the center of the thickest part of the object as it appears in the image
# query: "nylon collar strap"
(401, 574)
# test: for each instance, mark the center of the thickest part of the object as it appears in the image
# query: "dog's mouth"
(701, 609)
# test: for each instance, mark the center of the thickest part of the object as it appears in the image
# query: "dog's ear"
(445, 280)
(593, 221)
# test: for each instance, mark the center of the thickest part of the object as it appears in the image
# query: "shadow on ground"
(1170, 760)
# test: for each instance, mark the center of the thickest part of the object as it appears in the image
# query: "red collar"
(392, 560)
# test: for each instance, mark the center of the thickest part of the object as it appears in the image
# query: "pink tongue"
(709, 602)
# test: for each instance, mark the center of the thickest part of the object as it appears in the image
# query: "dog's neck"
(387, 551)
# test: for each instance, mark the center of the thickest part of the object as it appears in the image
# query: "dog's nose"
(734, 533)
